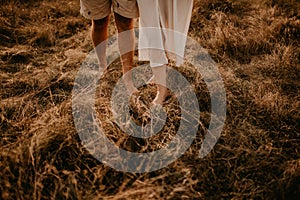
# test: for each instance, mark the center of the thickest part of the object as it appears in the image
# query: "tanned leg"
(126, 44)
(99, 34)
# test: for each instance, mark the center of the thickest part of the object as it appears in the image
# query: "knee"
(123, 23)
(100, 24)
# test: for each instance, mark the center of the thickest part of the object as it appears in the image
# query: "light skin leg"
(159, 76)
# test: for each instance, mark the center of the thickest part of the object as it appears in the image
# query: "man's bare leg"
(126, 46)
(99, 34)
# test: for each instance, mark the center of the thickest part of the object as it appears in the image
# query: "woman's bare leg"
(160, 78)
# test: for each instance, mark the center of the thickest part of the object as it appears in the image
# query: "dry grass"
(256, 46)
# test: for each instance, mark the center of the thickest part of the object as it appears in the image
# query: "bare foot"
(127, 78)
(151, 80)
(162, 93)
(130, 87)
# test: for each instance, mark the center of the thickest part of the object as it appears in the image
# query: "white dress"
(163, 32)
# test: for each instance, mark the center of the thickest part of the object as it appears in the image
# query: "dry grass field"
(257, 49)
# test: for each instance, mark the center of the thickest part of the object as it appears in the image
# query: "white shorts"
(98, 9)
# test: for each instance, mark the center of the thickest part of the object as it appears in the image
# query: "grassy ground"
(256, 45)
